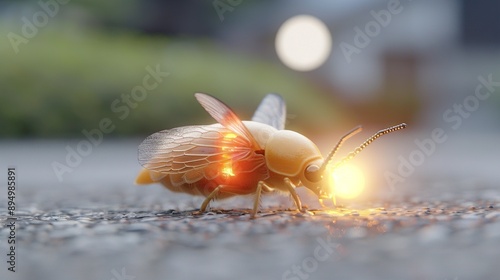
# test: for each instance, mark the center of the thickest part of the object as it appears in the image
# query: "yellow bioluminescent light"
(227, 167)
(348, 181)
(227, 171)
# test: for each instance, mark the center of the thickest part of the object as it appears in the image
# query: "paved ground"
(97, 225)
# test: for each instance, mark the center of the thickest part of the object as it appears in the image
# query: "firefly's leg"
(209, 198)
(261, 185)
(291, 189)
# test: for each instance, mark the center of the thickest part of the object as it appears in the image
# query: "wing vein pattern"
(199, 151)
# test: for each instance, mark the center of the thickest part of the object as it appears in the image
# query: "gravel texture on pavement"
(115, 230)
(388, 240)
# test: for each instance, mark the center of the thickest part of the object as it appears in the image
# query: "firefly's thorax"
(293, 155)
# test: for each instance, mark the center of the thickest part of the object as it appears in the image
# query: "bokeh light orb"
(303, 43)
(348, 181)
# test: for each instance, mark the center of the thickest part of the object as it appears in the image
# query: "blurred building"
(429, 53)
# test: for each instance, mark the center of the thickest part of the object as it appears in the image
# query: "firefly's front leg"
(291, 188)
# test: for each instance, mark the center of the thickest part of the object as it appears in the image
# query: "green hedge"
(65, 80)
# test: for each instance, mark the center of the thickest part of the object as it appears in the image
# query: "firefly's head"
(317, 180)
(293, 155)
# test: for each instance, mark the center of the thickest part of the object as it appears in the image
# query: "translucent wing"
(195, 152)
(271, 111)
(225, 116)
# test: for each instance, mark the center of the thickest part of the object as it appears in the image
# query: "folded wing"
(271, 111)
(196, 152)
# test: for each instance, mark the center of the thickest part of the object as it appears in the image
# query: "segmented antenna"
(337, 147)
(369, 141)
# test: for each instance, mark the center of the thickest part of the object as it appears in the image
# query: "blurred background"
(67, 65)
(83, 82)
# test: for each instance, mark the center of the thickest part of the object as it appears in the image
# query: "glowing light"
(227, 167)
(303, 43)
(227, 171)
(348, 181)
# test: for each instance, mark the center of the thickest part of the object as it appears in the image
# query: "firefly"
(235, 157)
